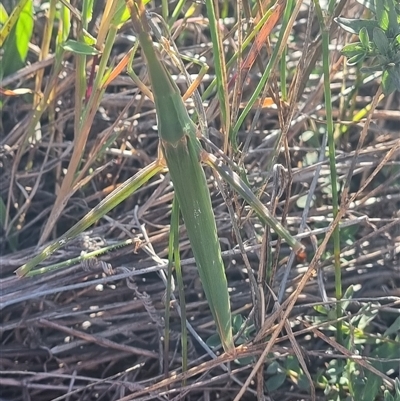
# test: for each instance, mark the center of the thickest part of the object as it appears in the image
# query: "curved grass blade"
(108, 203)
(239, 185)
(80, 259)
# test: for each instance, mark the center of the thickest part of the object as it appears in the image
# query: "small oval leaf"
(80, 48)
(354, 60)
(364, 37)
(353, 49)
(274, 382)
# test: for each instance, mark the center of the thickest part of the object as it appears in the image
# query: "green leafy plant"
(388, 396)
(346, 378)
(289, 369)
(379, 40)
(242, 332)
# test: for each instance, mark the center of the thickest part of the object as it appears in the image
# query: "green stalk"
(220, 65)
(182, 151)
(164, 9)
(283, 64)
(83, 257)
(332, 167)
(278, 49)
(84, 119)
(175, 13)
(247, 41)
(283, 75)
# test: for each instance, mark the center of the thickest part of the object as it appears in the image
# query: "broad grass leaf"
(87, 10)
(17, 43)
(8, 21)
(65, 20)
(12, 239)
(23, 30)
(3, 212)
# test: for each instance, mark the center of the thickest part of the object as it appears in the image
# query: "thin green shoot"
(278, 49)
(80, 259)
(332, 167)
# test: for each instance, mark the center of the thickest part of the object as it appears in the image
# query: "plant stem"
(332, 167)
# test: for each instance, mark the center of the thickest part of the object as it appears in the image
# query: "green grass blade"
(85, 111)
(108, 203)
(332, 166)
(239, 185)
(11, 21)
(82, 258)
(175, 14)
(220, 65)
(278, 49)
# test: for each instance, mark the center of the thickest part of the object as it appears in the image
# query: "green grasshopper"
(183, 154)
